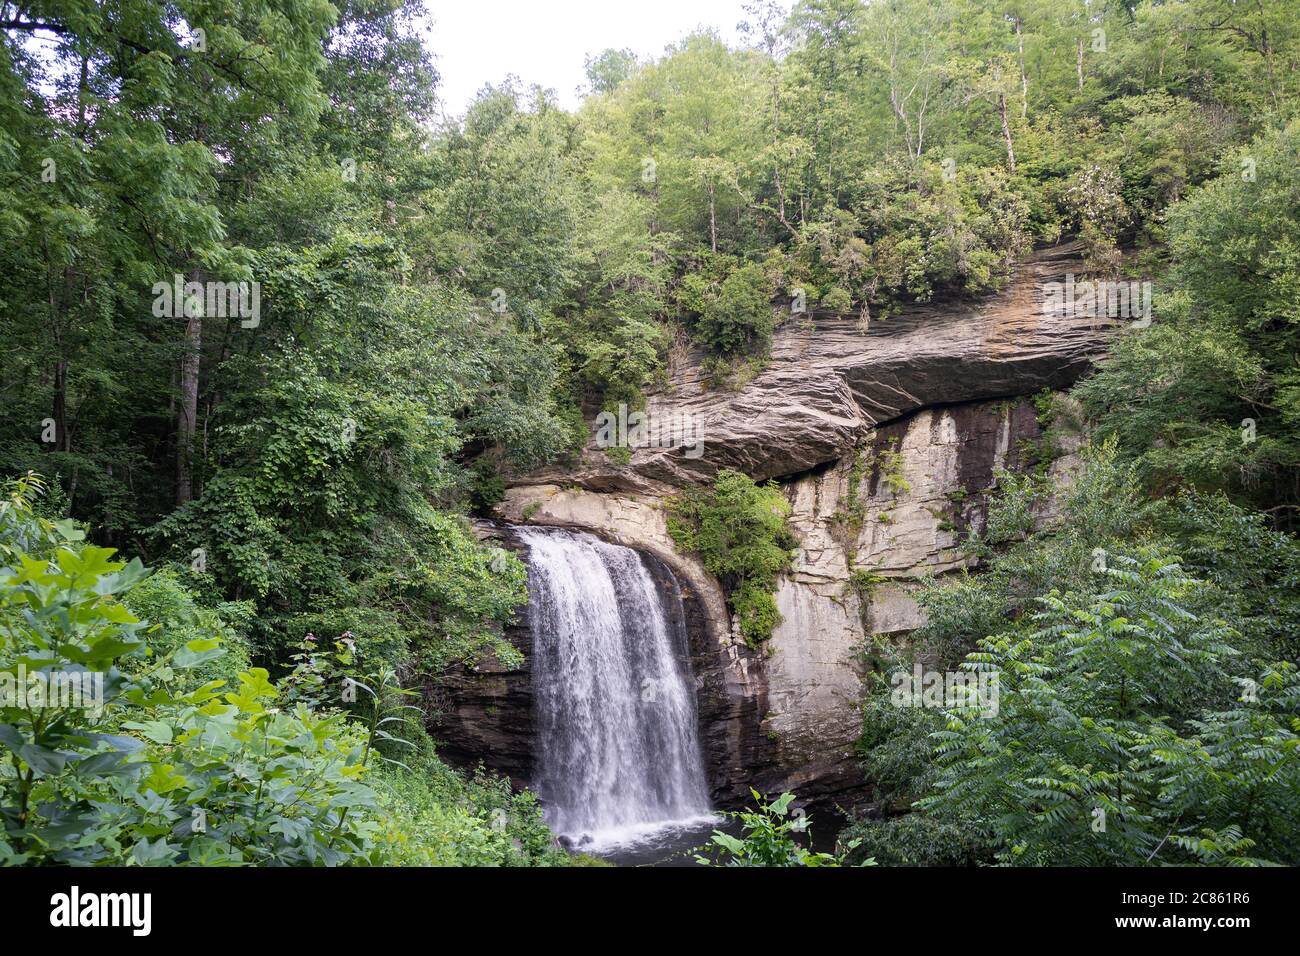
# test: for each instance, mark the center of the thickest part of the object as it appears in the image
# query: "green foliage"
(437, 818)
(322, 510)
(610, 68)
(738, 529)
(895, 744)
(848, 519)
(505, 203)
(177, 618)
(1205, 398)
(442, 301)
(768, 839)
(333, 441)
(1255, 570)
(734, 313)
(1131, 694)
(62, 618)
(864, 581)
(691, 188)
(914, 840)
(163, 764)
(890, 468)
(837, 299)
(613, 329)
(899, 151)
(1116, 732)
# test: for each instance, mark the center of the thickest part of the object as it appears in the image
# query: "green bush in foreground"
(1120, 739)
(170, 767)
(768, 839)
(1147, 712)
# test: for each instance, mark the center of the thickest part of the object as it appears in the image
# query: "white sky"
(546, 41)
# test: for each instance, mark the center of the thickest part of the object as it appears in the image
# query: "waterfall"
(617, 743)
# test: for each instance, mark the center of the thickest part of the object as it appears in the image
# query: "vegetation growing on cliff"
(1209, 397)
(1145, 709)
(738, 530)
(1146, 640)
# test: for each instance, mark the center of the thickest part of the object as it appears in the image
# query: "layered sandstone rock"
(894, 510)
(829, 381)
(886, 442)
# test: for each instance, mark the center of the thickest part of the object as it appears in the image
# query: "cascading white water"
(618, 747)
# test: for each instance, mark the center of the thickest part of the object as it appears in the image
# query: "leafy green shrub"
(157, 773)
(436, 818)
(615, 336)
(914, 840)
(755, 605)
(837, 300)
(909, 240)
(1097, 206)
(168, 766)
(768, 839)
(734, 313)
(1117, 739)
(890, 466)
(1208, 397)
(1123, 686)
(738, 529)
(486, 490)
(863, 581)
(1255, 570)
(176, 618)
(732, 374)
(895, 745)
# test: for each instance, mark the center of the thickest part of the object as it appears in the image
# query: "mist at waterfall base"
(619, 769)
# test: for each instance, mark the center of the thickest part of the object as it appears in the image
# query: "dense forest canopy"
(416, 311)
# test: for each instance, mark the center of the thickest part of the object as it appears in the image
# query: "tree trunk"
(58, 309)
(1006, 132)
(61, 442)
(1267, 51)
(1080, 63)
(188, 416)
(776, 142)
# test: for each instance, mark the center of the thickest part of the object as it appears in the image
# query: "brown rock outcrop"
(886, 443)
(828, 382)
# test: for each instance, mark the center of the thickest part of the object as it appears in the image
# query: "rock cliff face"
(886, 442)
(829, 382)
